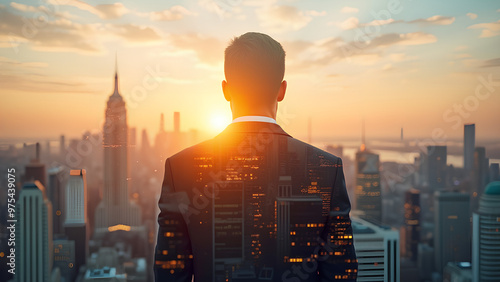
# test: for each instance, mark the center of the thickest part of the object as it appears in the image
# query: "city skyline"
(398, 99)
(427, 59)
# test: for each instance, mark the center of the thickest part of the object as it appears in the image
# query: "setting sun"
(219, 122)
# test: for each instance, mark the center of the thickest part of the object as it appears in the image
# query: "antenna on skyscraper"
(115, 92)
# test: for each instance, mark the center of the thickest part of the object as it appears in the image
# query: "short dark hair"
(255, 60)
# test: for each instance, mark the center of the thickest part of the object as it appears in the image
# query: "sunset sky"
(420, 65)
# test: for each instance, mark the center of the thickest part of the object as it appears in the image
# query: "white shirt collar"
(254, 118)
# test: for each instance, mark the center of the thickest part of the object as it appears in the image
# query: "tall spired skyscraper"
(115, 207)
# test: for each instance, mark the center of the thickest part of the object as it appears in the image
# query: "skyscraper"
(412, 222)
(62, 147)
(64, 258)
(436, 167)
(486, 236)
(480, 176)
(469, 145)
(75, 225)
(161, 141)
(115, 207)
(368, 193)
(55, 193)
(377, 250)
(35, 170)
(451, 228)
(34, 252)
(494, 172)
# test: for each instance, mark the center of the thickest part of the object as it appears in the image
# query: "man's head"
(254, 66)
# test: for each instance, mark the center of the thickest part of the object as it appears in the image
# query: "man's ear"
(281, 93)
(225, 90)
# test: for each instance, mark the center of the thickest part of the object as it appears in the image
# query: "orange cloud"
(488, 29)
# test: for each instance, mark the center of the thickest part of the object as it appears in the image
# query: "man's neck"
(254, 112)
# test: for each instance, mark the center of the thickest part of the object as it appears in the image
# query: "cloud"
(304, 55)
(42, 12)
(462, 56)
(488, 29)
(349, 10)
(491, 63)
(435, 20)
(7, 62)
(58, 35)
(111, 11)
(225, 9)
(62, 35)
(282, 18)
(349, 23)
(136, 33)
(381, 22)
(472, 16)
(104, 11)
(461, 48)
(209, 50)
(353, 22)
(412, 38)
(417, 38)
(175, 13)
(30, 77)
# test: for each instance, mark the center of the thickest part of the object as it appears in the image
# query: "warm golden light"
(119, 227)
(219, 122)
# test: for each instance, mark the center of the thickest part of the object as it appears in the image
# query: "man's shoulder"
(315, 151)
(204, 147)
(208, 147)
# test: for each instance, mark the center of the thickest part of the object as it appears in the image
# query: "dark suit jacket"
(254, 204)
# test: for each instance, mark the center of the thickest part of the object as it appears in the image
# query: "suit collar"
(254, 127)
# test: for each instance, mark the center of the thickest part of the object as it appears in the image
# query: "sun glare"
(219, 122)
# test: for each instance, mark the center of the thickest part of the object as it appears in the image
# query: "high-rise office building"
(34, 228)
(161, 141)
(412, 223)
(436, 167)
(55, 193)
(469, 145)
(368, 192)
(35, 170)
(176, 138)
(451, 228)
(75, 225)
(486, 236)
(458, 272)
(64, 258)
(104, 274)
(115, 207)
(480, 176)
(291, 211)
(62, 147)
(494, 172)
(228, 226)
(377, 250)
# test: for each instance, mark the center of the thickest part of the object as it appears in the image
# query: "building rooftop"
(493, 188)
